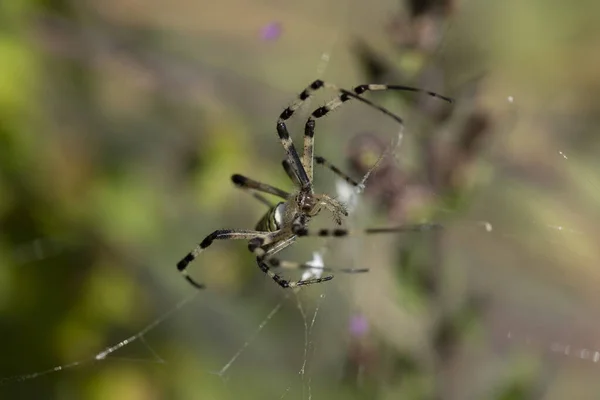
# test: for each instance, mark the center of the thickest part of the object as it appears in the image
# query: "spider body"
(287, 220)
(273, 219)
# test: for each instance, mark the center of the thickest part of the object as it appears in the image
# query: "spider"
(287, 220)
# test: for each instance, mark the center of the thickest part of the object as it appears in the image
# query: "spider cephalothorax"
(284, 222)
(307, 202)
(310, 205)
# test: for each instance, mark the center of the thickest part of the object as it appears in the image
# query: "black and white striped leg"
(274, 248)
(303, 231)
(346, 95)
(307, 161)
(302, 97)
(289, 171)
(243, 182)
(284, 264)
(274, 263)
(309, 129)
(360, 89)
(322, 161)
(223, 234)
(269, 255)
(309, 148)
(292, 154)
(257, 196)
(266, 262)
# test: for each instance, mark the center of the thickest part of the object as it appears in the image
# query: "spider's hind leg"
(222, 234)
(265, 248)
(274, 263)
(266, 262)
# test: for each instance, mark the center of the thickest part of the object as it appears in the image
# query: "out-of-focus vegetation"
(121, 123)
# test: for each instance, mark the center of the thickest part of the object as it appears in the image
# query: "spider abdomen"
(272, 220)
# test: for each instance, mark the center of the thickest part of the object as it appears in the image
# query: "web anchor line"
(107, 351)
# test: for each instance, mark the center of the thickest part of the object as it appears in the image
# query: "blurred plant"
(271, 31)
(440, 182)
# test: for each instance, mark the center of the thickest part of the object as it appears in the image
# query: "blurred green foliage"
(122, 122)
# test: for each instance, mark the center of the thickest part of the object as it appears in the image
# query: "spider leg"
(289, 170)
(302, 97)
(307, 155)
(306, 162)
(309, 129)
(292, 154)
(247, 183)
(266, 265)
(262, 264)
(360, 89)
(336, 170)
(294, 265)
(356, 93)
(257, 196)
(344, 96)
(303, 231)
(222, 234)
(276, 247)
(277, 263)
(266, 262)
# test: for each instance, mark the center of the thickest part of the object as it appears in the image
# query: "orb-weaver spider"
(288, 220)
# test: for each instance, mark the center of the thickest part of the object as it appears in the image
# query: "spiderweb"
(44, 248)
(312, 308)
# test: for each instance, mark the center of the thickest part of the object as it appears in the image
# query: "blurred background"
(122, 122)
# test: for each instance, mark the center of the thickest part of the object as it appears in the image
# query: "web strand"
(109, 350)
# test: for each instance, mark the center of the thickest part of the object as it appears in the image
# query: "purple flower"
(359, 325)
(271, 31)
